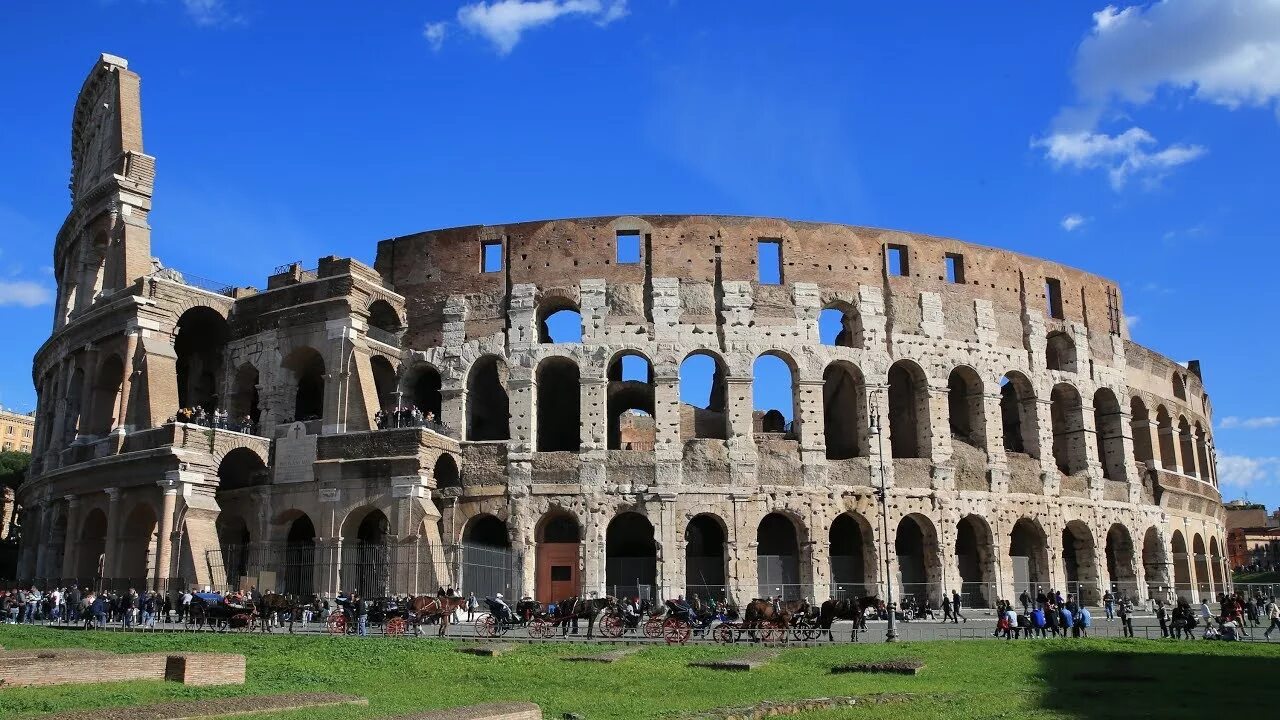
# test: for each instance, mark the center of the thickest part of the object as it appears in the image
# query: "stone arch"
(631, 557)
(1029, 553)
(385, 383)
(976, 560)
(780, 414)
(558, 536)
(1108, 427)
(1066, 410)
(704, 416)
(305, 366)
(1155, 562)
(488, 405)
(1179, 383)
(1182, 583)
(854, 568)
(1168, 446)
(1018, 414)
(840, 325)
(383, 316)
(559, 320)
(200, 341)
(1202, 453)
(137, 546)
(705, 558)
(1080, 562)
(1215, 564)
(1201, 565)
(1120, 555)
(778, 562)
(844, 409)
(909, 431)
(445, 472)
(245, 396)
(366, 552)
(1186, 446)
(559, 423)
(966, 407)
(1060, 352)
(1140, 422)
(630, 401)
(919, 562)
(233, 541)
(423, 384)
(299, 553)
(92, 547)
(240, 468)
(106, 396)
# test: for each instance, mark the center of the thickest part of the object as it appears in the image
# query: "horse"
(440, 606)
(761, 611)
(845, 609)
(579, 608)
(270, 604)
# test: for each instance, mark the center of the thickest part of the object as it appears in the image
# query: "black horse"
(846, 609)
(572, 609)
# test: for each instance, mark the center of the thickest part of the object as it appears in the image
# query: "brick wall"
(63, 667)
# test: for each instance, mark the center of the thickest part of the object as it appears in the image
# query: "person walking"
(1109, 603)
(1162, 615)
(1273, 614)
(362, 613)
(1025, 599)
(946, 607)
(1126, 617)
(956, 617)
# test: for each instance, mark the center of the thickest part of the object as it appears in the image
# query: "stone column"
(70, 555)
(671, 570)
(668, 447)
(592, 404)
(170, 486)
(44, 511)
(328, 559)
(453, 409)
(741, 578)
(111, 549)
(1093, 462)
(939, 423)
(1050, 475)
(86, 391)
(820, 567)
(741, 443)
(997, 459)
(126, 389)
(813, 441)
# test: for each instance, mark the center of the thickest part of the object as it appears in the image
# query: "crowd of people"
(404, 417)
(216, 418)
(74, 605)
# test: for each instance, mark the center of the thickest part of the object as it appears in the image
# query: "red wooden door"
(557, 572)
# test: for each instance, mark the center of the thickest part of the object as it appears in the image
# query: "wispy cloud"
(1132, 321)
(1072, 221)
(504, 22)
(1242, 472)
(1249, 423)
(1123, 156)
(24, 293)
(210, 12)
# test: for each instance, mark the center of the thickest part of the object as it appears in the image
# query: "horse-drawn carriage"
(501, 619)
(215, 611)
(390, 614)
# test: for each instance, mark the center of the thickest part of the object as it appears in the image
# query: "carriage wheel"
(771, 632)
(486, 627)
(611, 626)
(540, 628)
(812, 633)
(395, 627)
(337, 624)
(723, 633)
(675, 631)
(653, 628)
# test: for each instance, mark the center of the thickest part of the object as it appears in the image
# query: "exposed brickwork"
(63, 667)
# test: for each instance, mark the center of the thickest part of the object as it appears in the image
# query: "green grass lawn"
(1257, 577)
(1028, 679)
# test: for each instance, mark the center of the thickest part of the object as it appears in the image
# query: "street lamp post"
(882, 495)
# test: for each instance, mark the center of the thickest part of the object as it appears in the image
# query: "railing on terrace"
(384, 336)
(195, 281)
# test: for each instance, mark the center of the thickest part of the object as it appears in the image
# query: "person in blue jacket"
(1085, 621)
(1068, 621)
(1037, 619)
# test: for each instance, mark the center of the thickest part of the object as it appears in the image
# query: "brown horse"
(440, 606)
(854, 609)
(580, 608)
(761, 613)
(270, 604)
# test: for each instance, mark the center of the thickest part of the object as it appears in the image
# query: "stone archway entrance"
(631, 557)
(559, 550)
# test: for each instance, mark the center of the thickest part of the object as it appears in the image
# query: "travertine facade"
(1026, 440)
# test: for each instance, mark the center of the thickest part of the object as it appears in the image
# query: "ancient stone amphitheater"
(586, 416)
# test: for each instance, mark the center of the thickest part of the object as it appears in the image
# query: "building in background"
(1253, 536)
(17, 430)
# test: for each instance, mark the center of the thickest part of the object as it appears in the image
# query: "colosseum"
(565, 406)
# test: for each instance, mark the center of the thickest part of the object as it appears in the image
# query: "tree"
(13, 468)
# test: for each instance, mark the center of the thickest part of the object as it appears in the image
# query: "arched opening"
(778, 557)
(240, 468)
(299, 555)
(704, 558)
(445, 472)
(199, 343)
(559, 427)
(559, 321)
(1060, 352)
(244, 399)
(384, 383)
(631, 557)
(1140, 423)
(1018, 415)
(366, 554)
(1155, 564)
(773, 393)
(75, 391)
(425, 391)
(919, 568)
(306, 368)
(976, 560)
(1029, 555)
(908, 410)
(559, 546)
(1215, 565)
(844, 410)
(965, 408)
(137, 546)
(1124, 577)
(1168, 448)
(1067, 413)
(1108, 426)
(840, 325)
(630, 403)
(233, 540)
(106, 396)
(488, 407)
(384, 318)
(1202, 452)
(1080, 562)
(703, 394)
(1187, 447)
(1181, 567)
(1202, 566)
(92, 546)
(853, 561)
(488, 562)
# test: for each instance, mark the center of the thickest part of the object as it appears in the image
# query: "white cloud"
(1132, 321)
(1240, 471)
(1123, 156)
(206, 12)
(1249, 423)
(503, 22)
(434, 33)
(24, 293)
(1072, 221)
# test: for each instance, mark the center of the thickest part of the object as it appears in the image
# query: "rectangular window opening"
(491, 256)
(1053, 296)
(769, 261)
(895, 258)
(955, 268)
(628, 247)
(561, 573)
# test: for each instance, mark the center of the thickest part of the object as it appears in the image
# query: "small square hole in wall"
(769, 261)
(955, 268)
(491, 256)
(628, 248)
(895, 260)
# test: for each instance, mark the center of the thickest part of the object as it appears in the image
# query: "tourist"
(362, 615)
(1037, 619)
(1025, 599)
(1109, 602)
(472, 606)
(1162, 615)
(956, 617)
(1068, 620)
(1084, 620)
(946, 607)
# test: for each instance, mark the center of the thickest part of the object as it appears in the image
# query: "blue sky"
(1139, 142)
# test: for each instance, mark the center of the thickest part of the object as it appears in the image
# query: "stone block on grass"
(908, 666)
